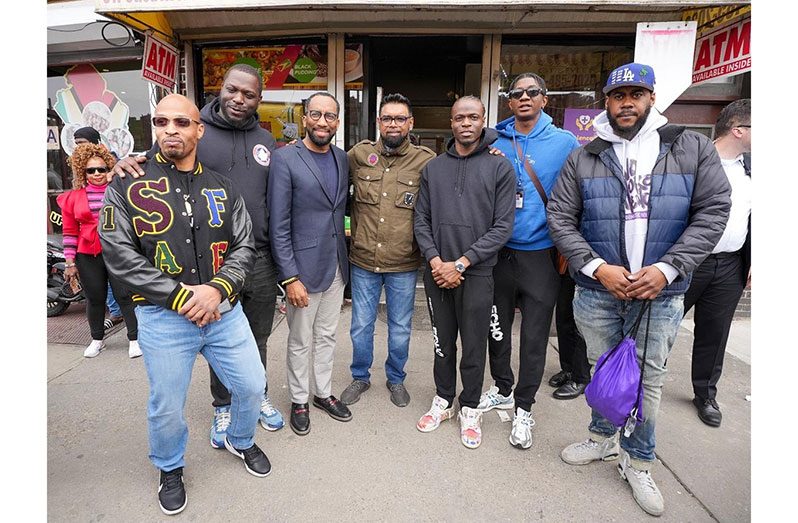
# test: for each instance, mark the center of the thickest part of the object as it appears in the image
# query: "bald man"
(181, 241)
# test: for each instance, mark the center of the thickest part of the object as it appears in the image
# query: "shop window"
(290, 71)
(574, 74)
(112, 98)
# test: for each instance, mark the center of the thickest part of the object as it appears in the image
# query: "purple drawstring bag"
(616, 389)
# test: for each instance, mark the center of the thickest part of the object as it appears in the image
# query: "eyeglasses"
(532, 92)
(180, 121)
(315, 115)
(748, 126)
(92, 170)
(400, 120)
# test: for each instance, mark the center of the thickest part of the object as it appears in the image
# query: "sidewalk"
(378, 466)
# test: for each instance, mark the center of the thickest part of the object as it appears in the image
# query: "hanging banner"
(723, 51)
(580, 122)
(667, 47)
(159, 63)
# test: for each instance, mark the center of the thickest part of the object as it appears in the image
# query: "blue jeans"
(170, 344)
(603, 320)
(400, 294)
(110, 302)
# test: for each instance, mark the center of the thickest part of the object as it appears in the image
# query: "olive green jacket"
(385, 192)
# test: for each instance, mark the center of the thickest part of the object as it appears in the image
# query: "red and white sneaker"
(470, 427)
(437, 413)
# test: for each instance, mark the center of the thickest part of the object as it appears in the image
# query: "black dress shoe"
(332, 406)
(708, 411)
(300, 418)
(255, 461)
(559, 379)
(171, 492)
(569, 390)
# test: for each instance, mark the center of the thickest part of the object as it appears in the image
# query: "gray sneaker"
(352, 393)
(644, 490)
(589, 450)
(399, 395)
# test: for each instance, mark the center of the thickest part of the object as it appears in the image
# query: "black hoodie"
(466, 206)
(243, 154)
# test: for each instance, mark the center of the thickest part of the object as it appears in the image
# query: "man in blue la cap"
(525, 274)
(635, 212)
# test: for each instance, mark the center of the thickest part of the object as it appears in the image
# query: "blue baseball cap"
(638, 75)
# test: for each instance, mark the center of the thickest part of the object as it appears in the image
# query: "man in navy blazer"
(307, 194)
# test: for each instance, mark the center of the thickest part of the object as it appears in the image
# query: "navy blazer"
(306, 223)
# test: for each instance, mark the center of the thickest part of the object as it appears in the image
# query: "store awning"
(216, 19)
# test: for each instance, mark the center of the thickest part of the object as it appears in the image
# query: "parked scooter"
(59, 293)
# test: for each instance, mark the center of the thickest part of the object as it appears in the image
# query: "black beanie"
(89, 133)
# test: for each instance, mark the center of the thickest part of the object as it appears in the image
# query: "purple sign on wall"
(580, 122)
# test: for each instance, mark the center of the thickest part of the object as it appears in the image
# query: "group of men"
(221, 221)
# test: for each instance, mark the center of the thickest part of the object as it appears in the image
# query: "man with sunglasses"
(386, 175)
(635, 212)
(525, 274)
(307, 200)
(237, 146)
(181, 239)
(719, 281)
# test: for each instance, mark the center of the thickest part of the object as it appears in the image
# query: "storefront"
(433, 52)
(93, 79)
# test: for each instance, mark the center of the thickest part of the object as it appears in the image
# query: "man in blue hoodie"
(236, 146)
(525, 274)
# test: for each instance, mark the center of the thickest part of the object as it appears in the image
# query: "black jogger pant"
(465, 309)
(94, 278)
(715, 289)
(530, 281)
(573, 351)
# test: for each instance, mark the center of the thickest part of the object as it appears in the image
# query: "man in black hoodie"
(464, 215)
(236, 146)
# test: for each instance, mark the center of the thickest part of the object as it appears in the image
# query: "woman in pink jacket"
(80, 209)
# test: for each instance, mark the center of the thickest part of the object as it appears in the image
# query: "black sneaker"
(332, 406)
(171, 492)
(399, 395)
(255, 461)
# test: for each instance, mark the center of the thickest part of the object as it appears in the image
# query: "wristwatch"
(460, 267)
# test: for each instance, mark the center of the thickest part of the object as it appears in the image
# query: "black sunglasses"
(92, 170)
(163, 121)
(532, 92)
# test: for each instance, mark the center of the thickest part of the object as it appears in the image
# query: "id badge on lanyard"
(519, 198)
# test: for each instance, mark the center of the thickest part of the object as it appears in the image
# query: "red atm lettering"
(161, 60)
(729, 44)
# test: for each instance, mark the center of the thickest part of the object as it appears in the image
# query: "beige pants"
(315, 326)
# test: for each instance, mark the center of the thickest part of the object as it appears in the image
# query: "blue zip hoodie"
(547, 148)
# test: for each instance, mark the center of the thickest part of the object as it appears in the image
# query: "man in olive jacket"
(386, 175)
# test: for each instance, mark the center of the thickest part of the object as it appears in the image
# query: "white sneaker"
(590, 450)
(133, 349)
(437, 413)
(491, 399)
(644, 490)
(94, 349)
(470, 427)
(521, 433)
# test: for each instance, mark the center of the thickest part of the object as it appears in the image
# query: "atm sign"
(159, 65)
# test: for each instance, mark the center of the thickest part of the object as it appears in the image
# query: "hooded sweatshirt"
(465, 206)
(636, 158)
(243, 155)
(546, 147)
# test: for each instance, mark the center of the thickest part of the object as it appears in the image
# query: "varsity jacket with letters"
(173, 227)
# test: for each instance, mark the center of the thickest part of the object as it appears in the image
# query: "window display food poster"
(288, 68)
(293, 66)
(85, 101)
